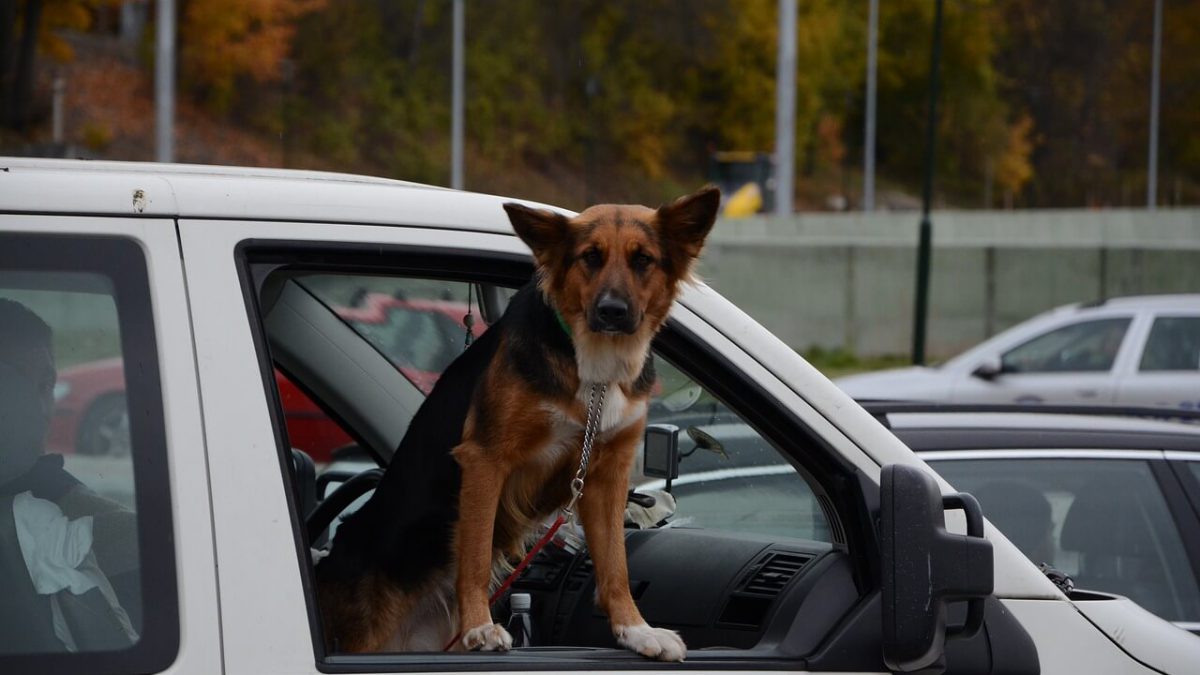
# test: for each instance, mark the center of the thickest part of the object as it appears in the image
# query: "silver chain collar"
(590, 429)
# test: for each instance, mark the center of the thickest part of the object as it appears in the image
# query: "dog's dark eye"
(592, 258)
(641, 261)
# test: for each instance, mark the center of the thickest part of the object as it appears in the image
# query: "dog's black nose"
(612, 314)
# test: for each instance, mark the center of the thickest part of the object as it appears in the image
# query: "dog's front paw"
(654, 643)
(488, 637)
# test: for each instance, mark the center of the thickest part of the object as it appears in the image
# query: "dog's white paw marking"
(654, 643)
(488, 637)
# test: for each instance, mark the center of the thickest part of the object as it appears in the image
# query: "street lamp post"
(868, 200)
(456, 103)
(1155, 62)
(785, 108)
(924, 244)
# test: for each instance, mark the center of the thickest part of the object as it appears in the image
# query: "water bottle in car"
(520, 623)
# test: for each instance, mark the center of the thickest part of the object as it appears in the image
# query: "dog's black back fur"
(404, 529)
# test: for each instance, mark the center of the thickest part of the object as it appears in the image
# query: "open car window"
(733, 535)
(730, 476)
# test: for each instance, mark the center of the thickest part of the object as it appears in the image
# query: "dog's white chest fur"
(618, 413)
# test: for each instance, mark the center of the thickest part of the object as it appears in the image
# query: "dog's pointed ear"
(686, 221)
(541, 230)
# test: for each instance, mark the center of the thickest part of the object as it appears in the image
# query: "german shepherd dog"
(492, 451)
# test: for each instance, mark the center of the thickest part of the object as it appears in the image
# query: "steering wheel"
(353, 487)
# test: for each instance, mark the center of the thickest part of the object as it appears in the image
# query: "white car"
(203, 280)
(1138, 350)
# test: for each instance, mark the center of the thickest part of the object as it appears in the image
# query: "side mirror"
(924, 567)
(660, 453)
(989, 370)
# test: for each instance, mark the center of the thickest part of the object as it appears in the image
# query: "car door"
(271, 618)
(1071, 363)
(1165, 368)
(114, 549)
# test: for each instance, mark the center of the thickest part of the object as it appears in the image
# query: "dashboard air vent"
(775, 573)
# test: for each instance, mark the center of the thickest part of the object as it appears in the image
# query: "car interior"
(739, 585)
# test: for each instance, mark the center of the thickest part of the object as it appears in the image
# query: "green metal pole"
(924, 243)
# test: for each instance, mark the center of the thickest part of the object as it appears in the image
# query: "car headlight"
(61, 389)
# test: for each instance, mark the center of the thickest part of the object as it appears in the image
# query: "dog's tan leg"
(479, 496)
(602, 509)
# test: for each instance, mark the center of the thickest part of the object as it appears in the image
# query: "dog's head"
(614, 270)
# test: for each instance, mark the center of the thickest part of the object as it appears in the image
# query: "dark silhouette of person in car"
(31, 480)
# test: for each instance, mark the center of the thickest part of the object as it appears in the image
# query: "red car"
(420, 337)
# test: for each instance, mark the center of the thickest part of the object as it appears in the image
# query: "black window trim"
(839, 480)
(123, 261)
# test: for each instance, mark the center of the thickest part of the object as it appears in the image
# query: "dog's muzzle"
(612, 314)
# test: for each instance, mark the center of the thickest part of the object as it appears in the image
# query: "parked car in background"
(419, 336)
(1142, 350)
(1112, 501)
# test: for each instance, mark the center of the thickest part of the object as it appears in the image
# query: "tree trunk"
(22, 94)
(8, 31)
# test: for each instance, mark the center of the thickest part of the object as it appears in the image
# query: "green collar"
(563, 322)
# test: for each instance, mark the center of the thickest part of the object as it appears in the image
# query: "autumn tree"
(27, 28)
(223, 42)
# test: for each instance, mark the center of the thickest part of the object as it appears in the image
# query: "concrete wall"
(847, 280)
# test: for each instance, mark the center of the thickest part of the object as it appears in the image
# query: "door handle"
(1089, 393)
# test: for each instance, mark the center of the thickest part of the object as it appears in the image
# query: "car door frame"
(255, 564)
(1131, 373)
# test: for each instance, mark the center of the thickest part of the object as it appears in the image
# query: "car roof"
(1022, 421)
(924, 428)
(1143, 302)
(140, 189)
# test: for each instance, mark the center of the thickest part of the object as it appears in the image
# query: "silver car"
(1142, 350)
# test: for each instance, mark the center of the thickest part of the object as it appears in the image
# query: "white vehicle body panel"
(1140, 633)
(1068, 643)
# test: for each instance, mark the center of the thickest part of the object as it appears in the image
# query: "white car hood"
(913, 383)
(1144, 636)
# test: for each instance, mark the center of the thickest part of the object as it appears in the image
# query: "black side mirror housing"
(660, 452)
(989, 370)
(924, 567)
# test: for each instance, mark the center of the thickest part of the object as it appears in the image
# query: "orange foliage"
(75, 15)
(224, 40)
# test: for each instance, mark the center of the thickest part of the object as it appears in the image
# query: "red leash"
(558, 522)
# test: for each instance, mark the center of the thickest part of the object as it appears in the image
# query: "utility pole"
(785, 109)
(868, 199)
(925, 241)
(1156, 60)
(456, 104)
(164, 82)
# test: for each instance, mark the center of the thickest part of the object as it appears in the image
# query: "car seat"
(1022, 513)
(1108, 526)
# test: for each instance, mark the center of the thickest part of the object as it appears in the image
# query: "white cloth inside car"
(58, 555)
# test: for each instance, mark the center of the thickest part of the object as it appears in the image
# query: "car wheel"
(105, 428)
